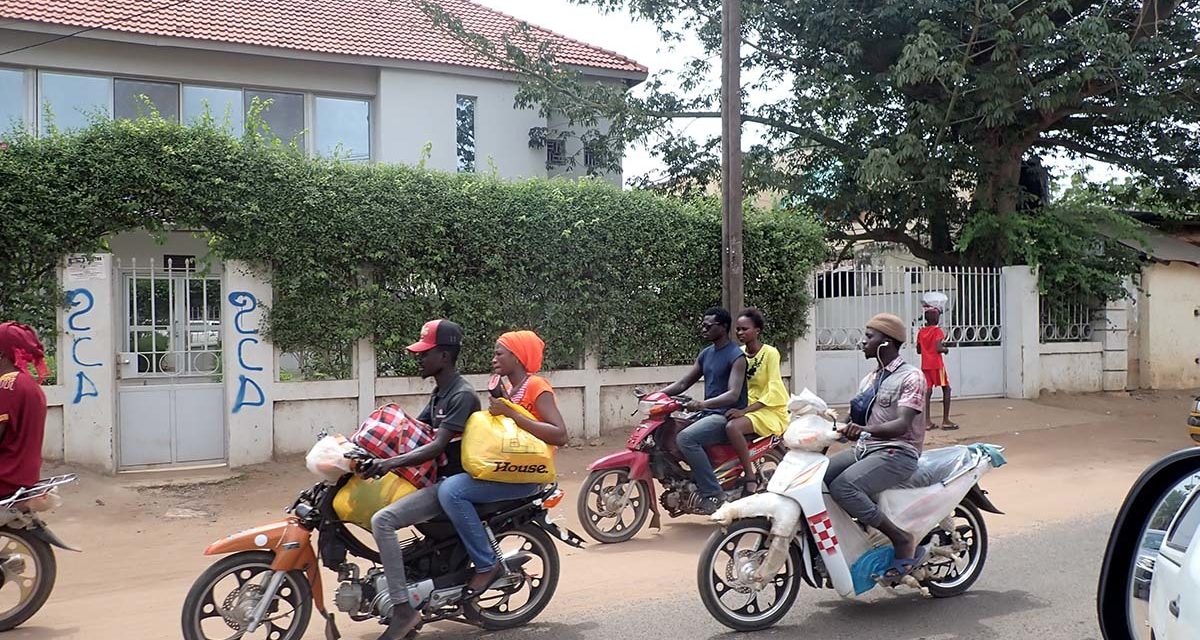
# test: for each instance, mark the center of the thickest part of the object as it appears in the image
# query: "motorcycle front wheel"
(613, 508)
(223, 597)
(725, 577)
(27, 578)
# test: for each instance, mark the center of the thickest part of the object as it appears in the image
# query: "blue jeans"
(704, 432)
(459, 494)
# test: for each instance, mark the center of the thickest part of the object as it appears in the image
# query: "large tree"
(903, 121)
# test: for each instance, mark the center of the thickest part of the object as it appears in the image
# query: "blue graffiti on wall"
(85, 387)
(249, 394)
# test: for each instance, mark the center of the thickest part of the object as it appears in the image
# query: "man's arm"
(3, 424)
(686, 382)
(895, 428)
(737, 376)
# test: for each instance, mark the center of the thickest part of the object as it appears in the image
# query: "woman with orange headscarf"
(517, 357)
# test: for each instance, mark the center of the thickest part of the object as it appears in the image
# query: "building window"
(556, 152)
(465, 124)
(283, 114)
(12, 100)
(224, 106)
(595, 157)
(72, 100)
(130, 99)
(342, 127)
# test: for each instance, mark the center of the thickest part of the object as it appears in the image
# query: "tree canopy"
(903, 122)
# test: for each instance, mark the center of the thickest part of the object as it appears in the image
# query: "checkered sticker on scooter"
(822, 529)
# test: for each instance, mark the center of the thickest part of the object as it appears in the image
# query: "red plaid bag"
(388, 432)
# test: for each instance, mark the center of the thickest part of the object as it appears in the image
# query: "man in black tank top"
(722, 365)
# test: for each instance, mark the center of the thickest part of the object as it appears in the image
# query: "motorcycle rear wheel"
(494, 609)
(203, 614)
(31, 592)
(724, 582)
(946, 580)
(594, 505)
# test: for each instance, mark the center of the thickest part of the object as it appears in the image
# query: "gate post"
(365, 363)
(804, 354)
(88, 361)
(249, 366)
(1021, 336)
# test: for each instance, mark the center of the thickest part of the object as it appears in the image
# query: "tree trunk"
(998, 195)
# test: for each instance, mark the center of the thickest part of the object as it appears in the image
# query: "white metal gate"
(171, 398)
(847, 298)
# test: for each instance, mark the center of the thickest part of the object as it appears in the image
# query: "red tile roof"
(396, 29)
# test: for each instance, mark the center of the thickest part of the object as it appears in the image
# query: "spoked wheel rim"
(528, 588)
(231, 596)
(615, 504)
(730, 577)
(23, 574)
(944, 572)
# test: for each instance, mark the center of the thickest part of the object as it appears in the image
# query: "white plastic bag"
(918, 511)
(812, 423)
(327, 458)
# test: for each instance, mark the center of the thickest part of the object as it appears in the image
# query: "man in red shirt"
(931, 344)
(22, 408)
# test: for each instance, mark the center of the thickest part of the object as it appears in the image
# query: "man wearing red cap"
(22, 408)
(452, 403)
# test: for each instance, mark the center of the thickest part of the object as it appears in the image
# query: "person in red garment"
(22, 407)
(931, 345)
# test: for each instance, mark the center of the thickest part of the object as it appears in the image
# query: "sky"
(639, 40)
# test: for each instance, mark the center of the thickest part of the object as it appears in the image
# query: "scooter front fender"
(637, 462)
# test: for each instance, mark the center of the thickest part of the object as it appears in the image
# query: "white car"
(1175, 589)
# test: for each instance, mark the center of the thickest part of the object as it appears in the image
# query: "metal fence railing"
(1074, 322)
(171, 318)
(846, 298)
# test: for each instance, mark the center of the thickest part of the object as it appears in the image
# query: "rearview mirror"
(1144, 591)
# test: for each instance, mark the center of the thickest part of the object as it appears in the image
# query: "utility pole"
(732, 281)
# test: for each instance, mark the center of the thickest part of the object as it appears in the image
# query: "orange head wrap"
(20, 344)
(527, 347)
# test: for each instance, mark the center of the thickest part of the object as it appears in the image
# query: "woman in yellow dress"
(766, 414)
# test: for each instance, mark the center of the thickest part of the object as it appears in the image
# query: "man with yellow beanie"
(888, 435)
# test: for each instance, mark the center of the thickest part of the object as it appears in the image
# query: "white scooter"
(750, 570)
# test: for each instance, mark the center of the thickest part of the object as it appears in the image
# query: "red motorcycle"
(619, 492)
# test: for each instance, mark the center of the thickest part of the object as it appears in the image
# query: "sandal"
(481, 582)
(949, 426)
(901, 567)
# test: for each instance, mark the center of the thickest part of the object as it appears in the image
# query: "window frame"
(370, 100)
(37, 91)
(178, 92)
(1192, 503)
(28, 97)
(458, 158)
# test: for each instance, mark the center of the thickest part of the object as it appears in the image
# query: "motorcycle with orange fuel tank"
(269, 580)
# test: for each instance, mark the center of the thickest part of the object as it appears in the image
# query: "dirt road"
(1073, 459)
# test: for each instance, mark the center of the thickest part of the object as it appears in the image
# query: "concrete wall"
(419, 108)
(142, 247)
(1168, 325)
(1072, 367)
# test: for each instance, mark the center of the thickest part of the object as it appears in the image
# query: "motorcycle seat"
(935, 466)
(725, 451)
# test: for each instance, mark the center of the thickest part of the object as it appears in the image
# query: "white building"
(161, 364)
(375, 77)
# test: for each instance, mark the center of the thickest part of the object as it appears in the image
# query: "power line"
(99, 26)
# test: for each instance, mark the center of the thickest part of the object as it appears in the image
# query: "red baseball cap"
(438, 333)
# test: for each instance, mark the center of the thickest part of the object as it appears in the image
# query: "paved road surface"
(1039, 584)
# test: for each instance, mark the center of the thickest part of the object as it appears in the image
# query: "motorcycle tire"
(47, 571)
(543, 544)
(962, 582)
(193, 603)
(712, 601)
(641, 510)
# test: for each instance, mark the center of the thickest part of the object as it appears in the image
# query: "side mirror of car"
(1154, 531)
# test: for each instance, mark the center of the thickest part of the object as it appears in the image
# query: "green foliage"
(375, 250)
(904, 122)
(1074, 243)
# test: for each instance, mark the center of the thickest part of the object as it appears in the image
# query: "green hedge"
(374, 250)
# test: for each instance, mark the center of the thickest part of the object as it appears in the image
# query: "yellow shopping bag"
(360, 499)
(494, 448)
